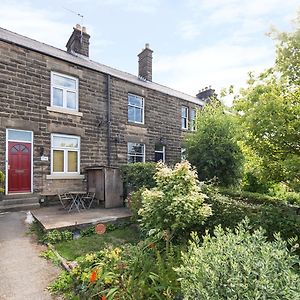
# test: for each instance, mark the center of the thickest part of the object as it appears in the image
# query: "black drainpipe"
(108, 121)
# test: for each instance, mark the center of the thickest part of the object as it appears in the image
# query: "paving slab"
(55, 217)
(24, 275)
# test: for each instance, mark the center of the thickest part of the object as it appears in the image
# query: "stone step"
(19, 207)
(17, 201)
(19, 196)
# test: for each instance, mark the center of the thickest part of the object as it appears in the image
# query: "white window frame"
(193, 120)
(186, 118)
(136, 106)
(65, 149)
(130, 155)
(183, 154)
(163, 151)
(65, 90)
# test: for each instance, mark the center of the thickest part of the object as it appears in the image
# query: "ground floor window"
(65, 154)
(159, 153)
(136, 152)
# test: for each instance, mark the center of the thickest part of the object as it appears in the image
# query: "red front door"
(19, 167)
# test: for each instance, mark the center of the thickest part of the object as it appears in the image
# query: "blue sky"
(196, 43)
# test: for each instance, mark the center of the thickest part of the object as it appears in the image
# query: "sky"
(196, 43)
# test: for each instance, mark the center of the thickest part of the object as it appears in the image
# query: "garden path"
(24, 275)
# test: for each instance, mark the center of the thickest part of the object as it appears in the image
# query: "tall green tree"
(269, 111)
(213, 148)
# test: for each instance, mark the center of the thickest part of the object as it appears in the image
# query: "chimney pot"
(147, 46)
(84, 29)
(78, 27)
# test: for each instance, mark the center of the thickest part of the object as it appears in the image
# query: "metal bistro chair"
(65, 200)
(88, 199)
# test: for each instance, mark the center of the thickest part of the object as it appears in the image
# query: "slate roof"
(20, 40)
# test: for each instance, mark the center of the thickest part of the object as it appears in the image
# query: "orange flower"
(93, 276)
(103, 297)
(152, 246)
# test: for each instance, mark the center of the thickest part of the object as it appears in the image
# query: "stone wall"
(25, 104)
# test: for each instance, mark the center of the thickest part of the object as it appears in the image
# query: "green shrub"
(213, 147)
(135, 203)
(2, 178)
(126, 273)
(56, 236)
(273, 217)
(138, 175)
(176, 204)
(239, 265)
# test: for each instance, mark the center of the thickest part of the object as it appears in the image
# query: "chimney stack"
(206, 94)
(145, 63)
(79, 41)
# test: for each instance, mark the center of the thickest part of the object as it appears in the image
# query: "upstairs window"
(193, 120)
(135, 109)
(65, 154)
(136, 152)
(159, 153)
(184, 117)
(64, 91)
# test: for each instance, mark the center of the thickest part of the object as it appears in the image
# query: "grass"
(72, 249)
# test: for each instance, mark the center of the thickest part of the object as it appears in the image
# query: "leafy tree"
(269, 110)
(213, 148)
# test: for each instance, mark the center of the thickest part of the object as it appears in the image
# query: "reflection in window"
(159, 153)
(64, 91)
(136, 152)
(135, 109)
(65, 154)
(184, 117)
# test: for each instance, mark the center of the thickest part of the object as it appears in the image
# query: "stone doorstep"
(19, 207)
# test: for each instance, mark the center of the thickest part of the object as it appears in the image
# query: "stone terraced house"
(62, 112)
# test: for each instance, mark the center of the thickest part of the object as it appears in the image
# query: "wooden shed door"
(19, 167)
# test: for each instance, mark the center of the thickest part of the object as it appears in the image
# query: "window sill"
(64, 111)
(65, 176)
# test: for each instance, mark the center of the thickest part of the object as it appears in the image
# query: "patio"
(55, 217)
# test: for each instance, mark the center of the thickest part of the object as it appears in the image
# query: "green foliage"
(128, 272)
(2, 178)
(56, 236)
(239, 265)
(263, 211)
(213, 148)
(50, 255)
(138, 175)
(269, 110)
(135, 203)
(176, 204)
(94, 242)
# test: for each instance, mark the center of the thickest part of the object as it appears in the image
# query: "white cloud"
(144, 6)
(220, 66)
(36, 23)
(189, 29)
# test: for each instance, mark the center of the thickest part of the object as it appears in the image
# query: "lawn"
(75, 248)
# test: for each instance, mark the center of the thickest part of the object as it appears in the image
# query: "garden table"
(77, 200)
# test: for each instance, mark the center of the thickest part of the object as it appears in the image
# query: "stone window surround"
(76, 91)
